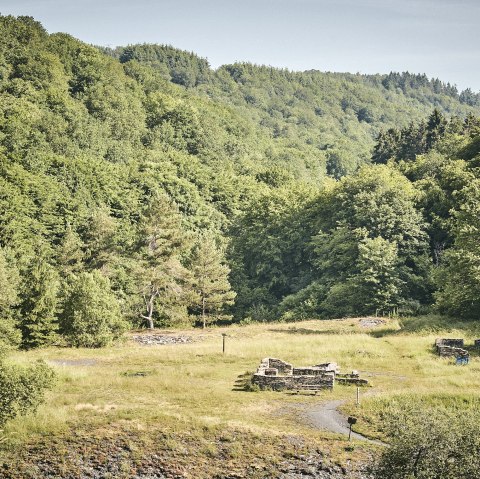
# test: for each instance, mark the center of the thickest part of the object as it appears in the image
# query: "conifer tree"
(39, 306)
(161, 276)
(9, 283)
(210, 280)
(70, 254)
(386, 146)
(436, 127)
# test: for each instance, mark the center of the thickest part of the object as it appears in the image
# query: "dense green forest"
(140, 187)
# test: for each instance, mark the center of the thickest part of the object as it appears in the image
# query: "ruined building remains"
(278, 375)
(450, 347)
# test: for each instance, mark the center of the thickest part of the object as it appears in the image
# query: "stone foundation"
(451, 348)
(278, 375)
(455, 343)
(282, 383)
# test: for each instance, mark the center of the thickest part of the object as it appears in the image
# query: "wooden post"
(223, 342)
(358, 396)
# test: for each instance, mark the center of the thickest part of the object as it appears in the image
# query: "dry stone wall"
(278, 375)
(447, 347)
(280, 383)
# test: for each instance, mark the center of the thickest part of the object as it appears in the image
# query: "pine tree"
(9, 283)
(99, 238)
(70, 254)
(436, 126)
(386, 146)
(39, 306)
(210, 283)
(378, 277)
(161, 275)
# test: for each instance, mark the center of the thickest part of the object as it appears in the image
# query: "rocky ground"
(371, 322)
(160, 340)
(118, 454)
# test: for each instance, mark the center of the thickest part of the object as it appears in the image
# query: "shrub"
(22, 390)
(91, 316)
(431, 444)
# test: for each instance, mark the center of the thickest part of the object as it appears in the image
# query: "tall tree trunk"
(149, 305)
(203, 313)
(150, 313)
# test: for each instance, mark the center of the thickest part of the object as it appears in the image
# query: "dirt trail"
(326, 416)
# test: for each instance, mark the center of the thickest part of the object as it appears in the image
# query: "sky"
(438, 37)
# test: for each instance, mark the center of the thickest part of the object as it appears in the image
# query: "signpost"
(351, 421)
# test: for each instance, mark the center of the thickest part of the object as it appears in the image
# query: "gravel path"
(326, 416)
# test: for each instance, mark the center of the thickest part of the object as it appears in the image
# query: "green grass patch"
(193, 388)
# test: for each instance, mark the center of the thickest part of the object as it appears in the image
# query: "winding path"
(326, 416)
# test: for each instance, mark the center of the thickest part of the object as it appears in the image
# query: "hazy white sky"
(438, 37)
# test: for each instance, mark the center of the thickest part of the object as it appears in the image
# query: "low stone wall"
(310, 371)
(454, 343)
(281, 366)
(447, 347)
(448, 351)
(329, 367)
(278, 375)
(280, 383)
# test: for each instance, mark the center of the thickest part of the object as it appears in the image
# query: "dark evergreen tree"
(386, 146)
(210, 281)
(436, 126)
(39, 306)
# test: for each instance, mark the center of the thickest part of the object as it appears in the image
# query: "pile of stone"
(160, 340)
(447, 347)
(371, 322)
(278, 375)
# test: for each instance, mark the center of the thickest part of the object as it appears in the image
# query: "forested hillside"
(321, 122)
(138, 187)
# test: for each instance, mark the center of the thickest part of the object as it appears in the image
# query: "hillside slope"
(313, 116)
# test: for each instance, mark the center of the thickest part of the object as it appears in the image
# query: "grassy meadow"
(188, 398)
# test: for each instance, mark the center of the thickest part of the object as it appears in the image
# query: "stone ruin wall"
(447, 347)
(278, 375)
(280, 383)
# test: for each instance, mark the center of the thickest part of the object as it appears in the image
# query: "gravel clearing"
(160, 340)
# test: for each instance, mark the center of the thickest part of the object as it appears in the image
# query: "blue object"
(462, 360)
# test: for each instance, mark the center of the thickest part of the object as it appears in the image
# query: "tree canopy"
(326, 194)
